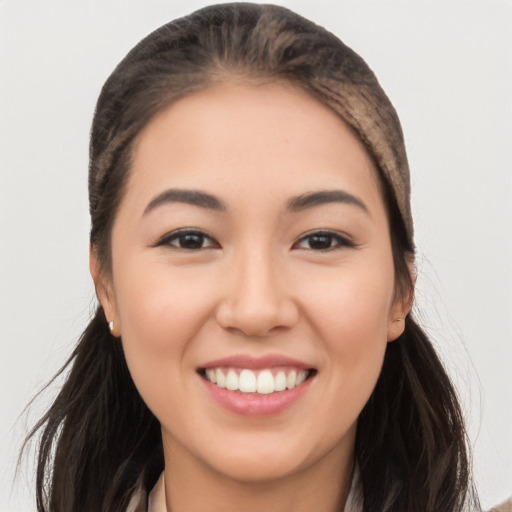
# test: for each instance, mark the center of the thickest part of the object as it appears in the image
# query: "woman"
(252, 252)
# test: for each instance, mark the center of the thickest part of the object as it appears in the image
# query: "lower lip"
(256, 405)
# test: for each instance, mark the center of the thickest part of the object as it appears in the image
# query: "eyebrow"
(192, 197)
(313, 199)
(210, 202)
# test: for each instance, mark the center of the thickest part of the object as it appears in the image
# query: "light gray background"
(446, 66)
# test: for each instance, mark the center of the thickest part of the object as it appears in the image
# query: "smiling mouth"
(257, 382)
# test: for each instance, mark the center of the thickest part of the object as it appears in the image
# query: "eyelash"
(331, 236)
(181, 236)
(322, 236)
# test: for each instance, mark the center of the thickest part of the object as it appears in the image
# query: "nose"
(257, 300)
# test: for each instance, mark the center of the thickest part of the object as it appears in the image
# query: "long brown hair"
(99, 441)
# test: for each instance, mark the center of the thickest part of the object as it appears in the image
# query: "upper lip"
(256, 363)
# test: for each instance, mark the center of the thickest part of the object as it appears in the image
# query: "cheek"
(352, 304)
(160, 314)
(161, 308)
(350, 315)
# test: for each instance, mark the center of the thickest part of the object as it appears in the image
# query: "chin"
(260, 468)
(269, 457)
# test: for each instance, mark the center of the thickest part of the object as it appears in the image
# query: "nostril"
(257, 319)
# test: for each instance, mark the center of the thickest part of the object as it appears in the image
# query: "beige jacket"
(506, 506)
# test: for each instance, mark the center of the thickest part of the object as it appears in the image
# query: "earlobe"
(104, 292)
(397, 316)
(403, 302)
(396, 327)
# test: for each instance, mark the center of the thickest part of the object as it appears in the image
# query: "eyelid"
(175, 234)
(344, 241)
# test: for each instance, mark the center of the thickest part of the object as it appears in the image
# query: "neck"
(191, 486)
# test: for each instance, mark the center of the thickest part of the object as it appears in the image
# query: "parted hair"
(98, 441)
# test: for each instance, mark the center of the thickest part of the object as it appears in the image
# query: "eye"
(323, 241)
(188, 239)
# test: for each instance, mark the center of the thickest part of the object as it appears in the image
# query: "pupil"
(320, 242)
(191, 241)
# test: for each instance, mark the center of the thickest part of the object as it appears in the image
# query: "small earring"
(113, 332)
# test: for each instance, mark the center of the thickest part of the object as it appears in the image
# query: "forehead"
(239, 138)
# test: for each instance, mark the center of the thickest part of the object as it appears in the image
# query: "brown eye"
(323, 241)
(189, 240)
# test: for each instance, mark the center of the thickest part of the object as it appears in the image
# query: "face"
(252, 280)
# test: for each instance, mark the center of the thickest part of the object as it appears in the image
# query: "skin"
(256, 287)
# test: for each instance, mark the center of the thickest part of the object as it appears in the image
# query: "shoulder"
(138, 502)
(155, 502)
(506, 506)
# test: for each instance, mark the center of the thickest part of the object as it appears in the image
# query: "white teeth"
(280, 381)
(291, 379)
(210, 374)
(263, 382)
(247, 381)
(220, 378)
(232, 380)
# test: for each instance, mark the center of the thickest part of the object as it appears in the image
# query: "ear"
(104, 291)
(396, 320)
(402, 305)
